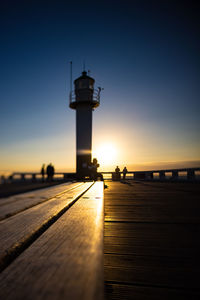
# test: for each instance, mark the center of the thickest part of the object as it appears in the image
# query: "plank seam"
(141, 255)
(151, 184)
(20, 247)
(41, 202)
(107, 282)
(15, 200)
(151, 222)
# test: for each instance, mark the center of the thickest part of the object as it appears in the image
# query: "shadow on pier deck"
(151, 240)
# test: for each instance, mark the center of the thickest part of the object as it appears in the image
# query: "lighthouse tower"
(84, 99)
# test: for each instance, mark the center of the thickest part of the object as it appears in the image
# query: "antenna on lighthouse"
(84, 65)
(70, 97)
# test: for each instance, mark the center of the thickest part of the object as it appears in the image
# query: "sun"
(106, 154)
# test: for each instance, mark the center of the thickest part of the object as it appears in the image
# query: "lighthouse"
(84, 99)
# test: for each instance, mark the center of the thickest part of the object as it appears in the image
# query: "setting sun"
(106, 154)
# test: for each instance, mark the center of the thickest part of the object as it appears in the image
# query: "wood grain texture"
(46, 192)
(16, 231)
(151, 240)
(146, 204)
(130, 292)
(12, 205)
(19, 187)
(66, 262)
(173, 272)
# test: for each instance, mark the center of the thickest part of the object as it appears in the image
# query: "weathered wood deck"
(54, 249)
(152, 241)
(12, 205)
(51, 242)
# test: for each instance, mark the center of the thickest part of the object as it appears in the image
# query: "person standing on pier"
(124, 173)
(93, 170)
(43, 172)
(50, 172)
(117, 173)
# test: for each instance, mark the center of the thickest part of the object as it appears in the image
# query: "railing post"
(10, 178)
(116, 176)
(190, 175)
(33, 177)
(22, 177)
(148, 175)
(141, 175)
(3, 180)
(65, 176)
(162, 175)
(174, 174)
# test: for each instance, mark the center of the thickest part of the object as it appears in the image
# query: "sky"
(145, 54)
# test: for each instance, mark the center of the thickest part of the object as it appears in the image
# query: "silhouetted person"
(117, 169)
(117, 173)
(93, 170)
(50, 172)
(124, 172)
(43, 172)
(94, 166)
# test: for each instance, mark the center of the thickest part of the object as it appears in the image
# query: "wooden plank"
(151, 239)
(160, 209)
(15, 204)
(66, 262)
(14, 188)
(149, 215)
(17, 231)
(173, 272)
(185, 187)
(45, 192)
(129, 292)
(154, 188)
(153, 230)
(151, 244)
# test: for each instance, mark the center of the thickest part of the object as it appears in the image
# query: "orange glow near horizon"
(137, 150)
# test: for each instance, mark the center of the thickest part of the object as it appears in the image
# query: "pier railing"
(166, 174)
(191, 174)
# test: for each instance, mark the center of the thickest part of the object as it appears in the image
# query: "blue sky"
(144, 53)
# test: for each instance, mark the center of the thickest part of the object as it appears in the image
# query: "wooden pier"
(152, 240)
(52, 246)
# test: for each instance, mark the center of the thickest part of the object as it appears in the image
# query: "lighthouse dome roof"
(84, 76)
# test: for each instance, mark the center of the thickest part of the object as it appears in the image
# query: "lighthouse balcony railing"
(95, 97)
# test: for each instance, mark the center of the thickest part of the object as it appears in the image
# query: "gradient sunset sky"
(145, 54)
